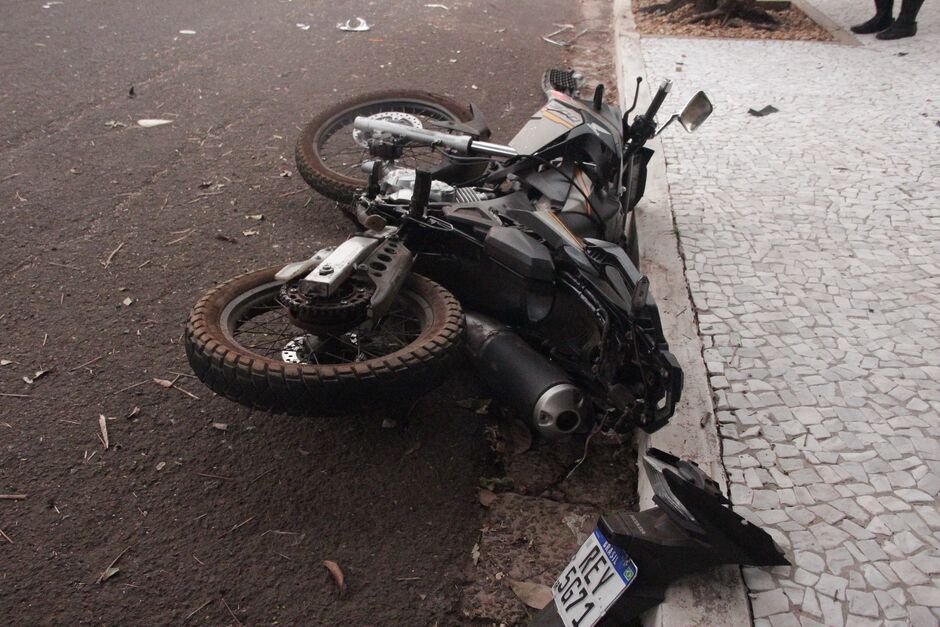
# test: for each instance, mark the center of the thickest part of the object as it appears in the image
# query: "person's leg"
(906, 24)
(881, 21)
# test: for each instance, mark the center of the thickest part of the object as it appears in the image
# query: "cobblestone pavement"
(812, 245)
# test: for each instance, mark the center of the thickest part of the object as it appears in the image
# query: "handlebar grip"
(658, 99)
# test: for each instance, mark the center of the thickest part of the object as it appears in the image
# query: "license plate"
(592, 582)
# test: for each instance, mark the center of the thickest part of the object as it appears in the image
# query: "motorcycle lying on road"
(526, 253)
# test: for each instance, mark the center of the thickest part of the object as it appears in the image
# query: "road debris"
(150, 123)
(187, 32)
(235, 618)
(115, 124)
(36, 376)
(765, 111)
(487, 497)
(195, 611)
(161, 466)
(563, 28)
(220, 426)
(107, 262)
(256, 216)
(132, 413)
(475, 553)
(303, 26)
(6, 537)
(338, 576)
(103, 426)
(12, 497)
(5, 362)
(110, 570)
(128, 301)
(438, 6)
(358, 27)
(535, 595)
(250, 232)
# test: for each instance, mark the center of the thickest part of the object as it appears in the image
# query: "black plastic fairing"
(520, 252)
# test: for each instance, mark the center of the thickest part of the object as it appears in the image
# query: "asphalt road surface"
(110, 232)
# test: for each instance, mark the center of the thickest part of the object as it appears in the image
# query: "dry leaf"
(475, 553)
(256, 216)
(5, 362)
(111, 571)
(338, 576)
(103, 425)
(250, 232)
(163, 383)
(221, 426)
(37, 375)
(521, 437)
(487, 497)
(535, 595)
(133, 412)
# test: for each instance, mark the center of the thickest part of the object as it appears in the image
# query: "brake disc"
(398, 117)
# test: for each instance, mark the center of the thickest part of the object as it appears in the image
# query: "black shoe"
(874, 25)
(898, 30)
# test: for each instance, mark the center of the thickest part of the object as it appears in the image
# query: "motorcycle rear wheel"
(242, 344)
(328, 155)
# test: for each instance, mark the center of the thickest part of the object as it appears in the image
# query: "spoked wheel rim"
(258, 323)
(341, 151)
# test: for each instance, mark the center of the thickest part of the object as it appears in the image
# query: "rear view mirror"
(695, 112)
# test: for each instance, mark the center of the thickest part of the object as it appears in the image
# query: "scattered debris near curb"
(534, 595)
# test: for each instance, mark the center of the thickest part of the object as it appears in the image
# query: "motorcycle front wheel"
(330, 152)
(243, 345)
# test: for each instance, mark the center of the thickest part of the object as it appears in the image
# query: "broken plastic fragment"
(303, 26)
(151, 123)
(438, 6)
(358, 27)
(187, 32)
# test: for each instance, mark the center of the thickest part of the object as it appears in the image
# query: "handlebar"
(658, 99)
(464, 144)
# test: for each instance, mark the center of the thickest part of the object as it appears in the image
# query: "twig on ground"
(87, 363)
(266, 472)
(211, 476)
(107, 262)
(63, 265)
(242, 523)
(12, 497)
(184, 235)
(131, 386)
(193, 613)
(7, 178)
(15, 395)
(235, 618)
(6, 536)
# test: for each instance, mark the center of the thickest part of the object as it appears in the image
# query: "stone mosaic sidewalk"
(811, 240)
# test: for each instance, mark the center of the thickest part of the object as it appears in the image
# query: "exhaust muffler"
(539, 389)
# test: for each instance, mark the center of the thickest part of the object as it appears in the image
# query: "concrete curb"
(718, 597)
